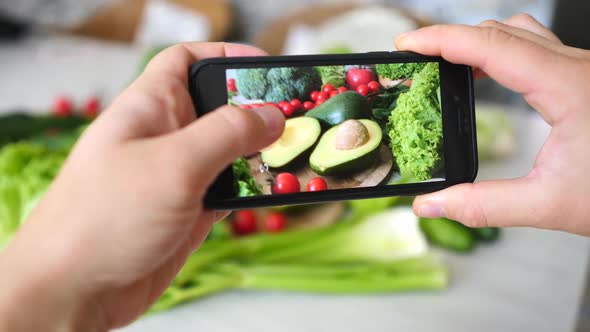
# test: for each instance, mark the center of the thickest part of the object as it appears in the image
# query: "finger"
(503, 203)
(511, 60)
(210, 144)
(535, 38)
(159, 100)
(527, 22)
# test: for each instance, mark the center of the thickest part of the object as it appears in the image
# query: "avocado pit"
(351, 134)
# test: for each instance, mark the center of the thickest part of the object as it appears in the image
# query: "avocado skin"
(344, 106)
(352, 166)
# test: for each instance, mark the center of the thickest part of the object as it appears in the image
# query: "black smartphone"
(357, 126)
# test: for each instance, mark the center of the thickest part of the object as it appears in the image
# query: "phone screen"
(347, 126)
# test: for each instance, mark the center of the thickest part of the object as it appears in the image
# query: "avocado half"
(299, 136)
(327, 160)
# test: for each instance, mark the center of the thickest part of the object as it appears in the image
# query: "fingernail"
(400, 38)
(431, 210)
(273, 119)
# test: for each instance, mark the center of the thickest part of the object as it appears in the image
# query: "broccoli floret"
(396, 71)
(277, 84)
(415, 126)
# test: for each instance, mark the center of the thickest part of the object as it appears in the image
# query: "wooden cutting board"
(370, 177)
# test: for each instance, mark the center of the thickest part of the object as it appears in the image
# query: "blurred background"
(63, 61)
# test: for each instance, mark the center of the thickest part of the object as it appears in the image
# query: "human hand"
(126, 210)
(524, 56)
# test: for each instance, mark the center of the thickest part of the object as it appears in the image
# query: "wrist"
(38, 293)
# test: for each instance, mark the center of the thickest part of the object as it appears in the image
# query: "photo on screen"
(347, 126)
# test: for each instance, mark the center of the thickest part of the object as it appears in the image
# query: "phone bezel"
(207, 84)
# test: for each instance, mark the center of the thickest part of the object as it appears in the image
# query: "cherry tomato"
(319, 102)
(62, 106)
(358, 76)
(374, 86)
(286, 183)
(245, 222)
(288, 109)
(276, 222)
(317, 184)
(231, 85)
(257, 105)
(282, 103)
(334, 93)
(308, 105)
(328, 88)
(92, 107)
(296, 103)
(342, 89)
(314, 95)
(245, 106)
(322, 97)
(363, 89)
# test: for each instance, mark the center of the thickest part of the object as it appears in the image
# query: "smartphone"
(357, 126)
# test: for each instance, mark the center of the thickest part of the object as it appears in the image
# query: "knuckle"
(524, 18)
(497, 37)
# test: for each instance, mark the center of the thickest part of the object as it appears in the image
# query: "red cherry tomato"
(342, 89)
(322, 97)
(314, 95)
(328, 88)
(245, 222)
(276, 222)
(374, 86)
(308, 105)
(288, 109)
(334, 93)
(363, 89)
(62, 106)
(92, 107)
(245, 106)
(319, 102)
(317, 184)
(231, 85)
(270, 103)
(282, 103)
(296, 103)
(359, 76)
(286, 183)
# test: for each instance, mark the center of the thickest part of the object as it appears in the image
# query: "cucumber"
(345, 106)
(448, 234)
(486, 234)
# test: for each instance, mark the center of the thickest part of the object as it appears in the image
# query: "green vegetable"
(18, 127)
(420, 273)
(395, 71)
(244, 184)
(344, 106)
(486, 234)
(26, 170)
(383, 104)
(337, 49)
(277, 84)
(383, 252)
(415, 126)
(335, 75)
(448, 234)
(221, 230)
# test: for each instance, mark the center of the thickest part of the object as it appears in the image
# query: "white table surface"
(532, 280)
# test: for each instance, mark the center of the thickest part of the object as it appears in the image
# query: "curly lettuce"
(395, 71)
(26, 170)
(415, 126)
(244, 184)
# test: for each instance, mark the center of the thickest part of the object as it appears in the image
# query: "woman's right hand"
(526, 57)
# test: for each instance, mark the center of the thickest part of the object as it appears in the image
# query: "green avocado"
(344, 106)
(299, 136)
(328, 159)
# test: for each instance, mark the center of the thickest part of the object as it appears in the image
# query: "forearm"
(37, 295)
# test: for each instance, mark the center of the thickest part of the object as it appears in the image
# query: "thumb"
(208, 145)
(503, 203)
